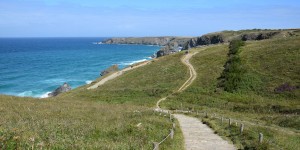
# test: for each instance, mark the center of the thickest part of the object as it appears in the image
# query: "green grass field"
(142, 86)
(268, 64)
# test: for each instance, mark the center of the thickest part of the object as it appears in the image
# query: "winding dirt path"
(197, 136)
(188, 82)
(116, 74)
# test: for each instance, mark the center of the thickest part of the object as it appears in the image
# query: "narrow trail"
(116, 74)
(188, 82)
(197, 136)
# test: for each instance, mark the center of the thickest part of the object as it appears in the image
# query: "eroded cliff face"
(204, 40)
(245, 35)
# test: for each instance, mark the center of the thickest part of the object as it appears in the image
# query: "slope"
(268, 64)
(113, 116)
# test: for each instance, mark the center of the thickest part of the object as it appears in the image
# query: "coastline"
(135, 64)
(55, 61)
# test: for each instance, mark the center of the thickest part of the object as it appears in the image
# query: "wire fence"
(236, 122)
(223, 119)
(170, 135)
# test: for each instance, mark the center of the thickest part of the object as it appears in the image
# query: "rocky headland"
(170, 44)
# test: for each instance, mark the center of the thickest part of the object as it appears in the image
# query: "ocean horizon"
(34, 67)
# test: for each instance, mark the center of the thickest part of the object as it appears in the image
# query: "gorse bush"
(231, 77)
(234, 46)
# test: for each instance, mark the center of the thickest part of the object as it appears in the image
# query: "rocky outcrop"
(227, 36)
(204, 40)
(64, 88)
(112, 68)
(258, 36)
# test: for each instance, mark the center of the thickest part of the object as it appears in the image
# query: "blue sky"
(106, 18)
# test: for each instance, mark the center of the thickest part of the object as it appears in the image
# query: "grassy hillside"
(268, 64)
(143, 86)
(229, 35)
(119, 115)
(104, 118)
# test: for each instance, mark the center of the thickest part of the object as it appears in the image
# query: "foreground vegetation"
(113, 116)
(268, 65)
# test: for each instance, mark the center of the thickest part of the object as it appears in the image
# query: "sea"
(33, 67)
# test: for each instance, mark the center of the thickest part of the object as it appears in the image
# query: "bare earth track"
(197, 136)
(116, 74)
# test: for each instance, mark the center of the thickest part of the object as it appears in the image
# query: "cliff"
(245, 35)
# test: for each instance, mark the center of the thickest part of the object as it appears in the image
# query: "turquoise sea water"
(35, 66)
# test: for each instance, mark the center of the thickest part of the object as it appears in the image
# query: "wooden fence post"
(229, 122)
(222, 119)
(172, 133)
(242, 128)
(155, 146)
(206, 115)
(236, 124)
(261, 137)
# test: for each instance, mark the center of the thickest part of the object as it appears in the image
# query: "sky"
(134, 18)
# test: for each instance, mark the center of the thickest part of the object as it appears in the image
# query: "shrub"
(231, 77)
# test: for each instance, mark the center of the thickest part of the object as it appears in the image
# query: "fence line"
(236, 120)
(230, 121)
(222, 118)
(171, 134)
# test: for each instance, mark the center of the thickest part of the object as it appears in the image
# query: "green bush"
(231, 77)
